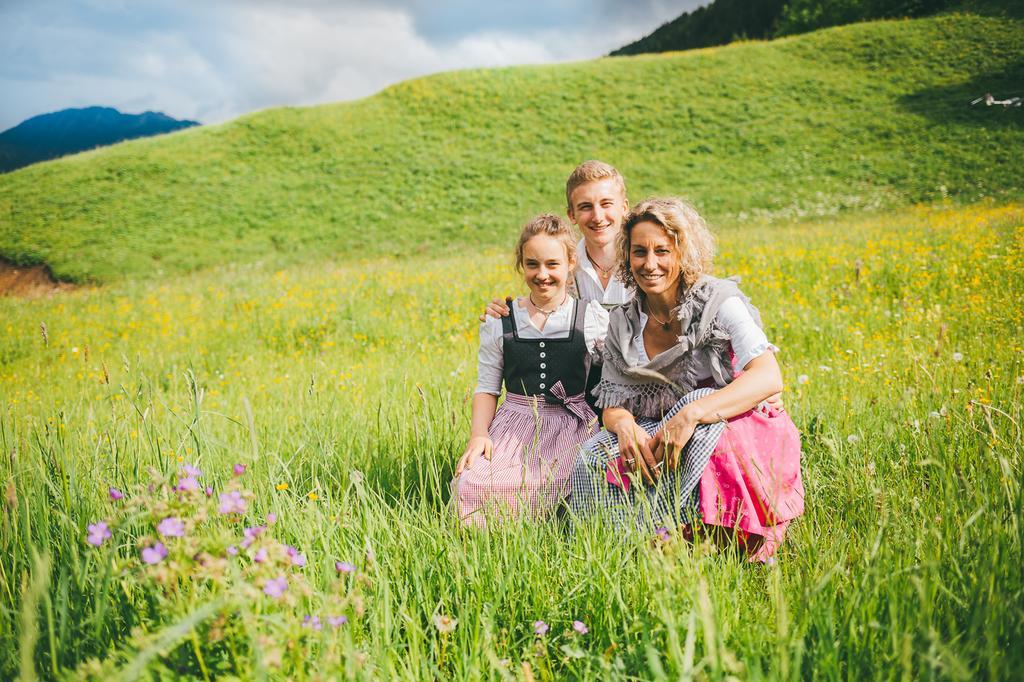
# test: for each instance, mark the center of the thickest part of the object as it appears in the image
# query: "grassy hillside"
(344, 389)
(856, 117)
(724, 21)
(717, 23)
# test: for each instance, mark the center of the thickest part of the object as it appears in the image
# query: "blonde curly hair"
(694, 242)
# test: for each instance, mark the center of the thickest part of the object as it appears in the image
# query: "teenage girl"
(519, 456)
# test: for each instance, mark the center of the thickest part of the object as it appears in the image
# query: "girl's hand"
(478, 445)
(668, 444)
(634, 448)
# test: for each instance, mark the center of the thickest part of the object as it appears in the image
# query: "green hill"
(722, 21)
(857, 117)
(716, 23)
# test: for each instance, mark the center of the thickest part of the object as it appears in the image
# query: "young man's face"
(597, 208)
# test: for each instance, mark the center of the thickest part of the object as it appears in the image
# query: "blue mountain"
(49, 136)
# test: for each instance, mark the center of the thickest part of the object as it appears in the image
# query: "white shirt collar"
(557, 321)
(589, 284)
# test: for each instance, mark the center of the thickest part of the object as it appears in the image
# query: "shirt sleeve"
(595, 327)
(748, 340)
(490, 358)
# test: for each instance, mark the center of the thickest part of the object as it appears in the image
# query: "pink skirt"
(752, 482)
(535, 449)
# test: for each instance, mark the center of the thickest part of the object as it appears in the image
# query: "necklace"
(665, 324)
(546, 313)
(604, 271)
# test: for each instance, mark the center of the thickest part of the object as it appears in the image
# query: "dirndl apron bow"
(577, 404)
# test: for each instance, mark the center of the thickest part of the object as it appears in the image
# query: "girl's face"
(546, 266)
(653, 259)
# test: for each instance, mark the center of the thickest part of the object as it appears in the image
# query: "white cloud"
(214, 62)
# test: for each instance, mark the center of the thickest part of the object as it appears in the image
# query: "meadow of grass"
(858, 117)
(342, 388)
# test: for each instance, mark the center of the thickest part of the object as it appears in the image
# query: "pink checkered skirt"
(536, 445)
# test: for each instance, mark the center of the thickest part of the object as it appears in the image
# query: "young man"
(596, 203)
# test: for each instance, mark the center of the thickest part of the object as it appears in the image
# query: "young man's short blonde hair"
(694, 241)
(590, 171)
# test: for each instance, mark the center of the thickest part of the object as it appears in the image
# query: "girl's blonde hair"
(552, 226)
(694, 242)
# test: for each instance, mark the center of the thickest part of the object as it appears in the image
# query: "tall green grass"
(847, 119)
(900, 337)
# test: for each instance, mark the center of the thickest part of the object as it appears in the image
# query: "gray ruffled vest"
(651, 389)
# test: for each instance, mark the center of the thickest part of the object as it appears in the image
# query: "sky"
(212, 61)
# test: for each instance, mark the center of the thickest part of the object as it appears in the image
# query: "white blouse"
(491, 361)
(589, 284)
(748, 340)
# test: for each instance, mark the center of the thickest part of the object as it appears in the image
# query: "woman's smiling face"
(653, 258)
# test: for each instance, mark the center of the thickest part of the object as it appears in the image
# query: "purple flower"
(208, 490)
(155, 554)
(298, 559)
(312, 622)
(540, 627)
(191, 471)
(251, 534)
(344, 567)
(232, 550)
(337, 621)
(187, 483)
(232, 503)
(238, 469)
(580, 627)
(171, 527)
(276, 587)
(261, 556)
(271, 519)
(99, 533)
(115, 494)
(662, 533)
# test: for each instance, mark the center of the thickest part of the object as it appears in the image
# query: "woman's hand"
(478, 445)
(667, 446)
(634, 448)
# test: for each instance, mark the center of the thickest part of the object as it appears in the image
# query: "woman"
(687, 369)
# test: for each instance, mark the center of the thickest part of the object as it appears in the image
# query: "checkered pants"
(671, 500)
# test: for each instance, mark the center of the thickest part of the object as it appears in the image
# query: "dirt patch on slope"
(30, 281)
